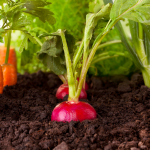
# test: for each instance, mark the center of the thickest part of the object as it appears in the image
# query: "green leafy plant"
(71, 11)
(138, 40)
(71, 61)
(78, 65)
(16, 15)
(138, 46)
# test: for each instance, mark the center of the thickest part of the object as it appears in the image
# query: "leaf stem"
(109, 43)
(106, 55)
(70, 76)
(144, 58)
(77, 56)
(90, 57)
(8, 47)
(62, 78)
(141, 49)
(38, 41)
(146, 76)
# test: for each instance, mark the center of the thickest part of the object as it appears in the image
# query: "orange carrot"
(12, 56)
(1, 80)
(9, 74)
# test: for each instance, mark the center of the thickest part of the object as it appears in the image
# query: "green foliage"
(112, 66)
(91, 22)
(95, 5)
(22, 16)
(14, 13)
(70, 11)
(2, 2)
(107, 1)
(147, 30)
(52, 53)
(112, 60)
(70, 15)
(136, 10)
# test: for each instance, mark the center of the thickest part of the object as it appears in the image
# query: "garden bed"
(123, 119)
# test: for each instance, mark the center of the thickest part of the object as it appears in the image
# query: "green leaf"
(136, 10)
(30, 37)
(107, 1)
(54, 64)
(42, 13)
(128, 46)
(52, 47)
(20, 23)
(32, 4)
(51, 54)
(95, 5)
(91, 22)
(24, 44)
(14, 8)
(44, 35)
(69, 38)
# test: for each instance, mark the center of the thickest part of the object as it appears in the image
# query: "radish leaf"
(136, 10)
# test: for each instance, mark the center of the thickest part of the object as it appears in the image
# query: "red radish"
(83, 94)
(76, 111)
(86, 85)
(63, 90)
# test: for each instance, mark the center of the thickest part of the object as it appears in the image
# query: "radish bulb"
(76, 111)
(63, 90)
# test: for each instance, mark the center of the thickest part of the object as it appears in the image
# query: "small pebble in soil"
(61, 146)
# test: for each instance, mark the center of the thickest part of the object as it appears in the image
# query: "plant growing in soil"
(61, 56)
(15, 16)
(70, 61)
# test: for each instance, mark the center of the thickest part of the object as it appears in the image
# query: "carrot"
(1, 80)
(12, 56)
(9, 74)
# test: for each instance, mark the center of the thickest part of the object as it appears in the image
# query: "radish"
(71, 110)
(63, 90)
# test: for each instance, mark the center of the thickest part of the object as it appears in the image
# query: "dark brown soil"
(123, 115)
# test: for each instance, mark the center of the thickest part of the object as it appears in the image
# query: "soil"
(123, 115)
